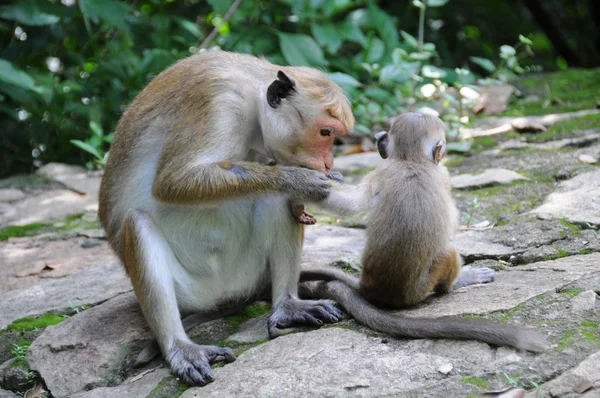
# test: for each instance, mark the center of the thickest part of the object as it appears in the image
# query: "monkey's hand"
(335, 176)
(302, 216)
(303, 184)
(191, 362)
(307, 312)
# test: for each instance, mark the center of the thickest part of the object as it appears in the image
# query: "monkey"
(197, 225)
(409, 254)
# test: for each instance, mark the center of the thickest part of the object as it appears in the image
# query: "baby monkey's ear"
(438, 151)
(281, 88)
(382, 143)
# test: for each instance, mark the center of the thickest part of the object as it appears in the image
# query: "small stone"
(251, 331)
(585, 301)
(488, 178)
(11, 195)
(589, 159)
(445, 368)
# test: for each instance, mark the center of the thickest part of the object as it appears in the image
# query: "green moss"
(479, 382)
(585, 251)
(360, 172)
(564, 91)
(453, 161)
(591, 336)
(560, 253)
(565, 128)
(482, 143)
(570, 292)
(36, 323)
(507, 314)
(574, 228)
(251, 311)
(17, 231)
(590, 324)
(496, 189)
(567, 339)
(471, 316)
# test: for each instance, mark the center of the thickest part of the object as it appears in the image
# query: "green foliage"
(251, 311)
(476, 381)
(19, 352)
(68, 69)
(17, 231)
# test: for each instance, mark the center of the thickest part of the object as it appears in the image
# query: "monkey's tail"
(397, 326)
(328, 274)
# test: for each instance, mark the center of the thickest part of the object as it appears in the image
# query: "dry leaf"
(509, 392)
(352, 149)
(524, 126)
(36, 391)
(589, 159)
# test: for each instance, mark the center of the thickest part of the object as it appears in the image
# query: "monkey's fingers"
(302, 216)
(335, 176)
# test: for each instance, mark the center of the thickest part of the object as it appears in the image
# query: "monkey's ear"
(281, 88)
(438, 151)
(382, 143)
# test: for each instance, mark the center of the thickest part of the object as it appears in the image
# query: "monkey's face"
(295, 128)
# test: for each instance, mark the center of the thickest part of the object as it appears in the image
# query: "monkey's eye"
(326, 132)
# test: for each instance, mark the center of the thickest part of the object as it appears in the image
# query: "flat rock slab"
(335, 362)
(75, 178)
(11, 195)
(361, 161)
(139, 386)
(47, 206)
(511, 287)
(94, 285)
(586, 373)
(330, 245)
(488, 178)
(90, 348)
(477, 245)
(577, 200)
(27, 260)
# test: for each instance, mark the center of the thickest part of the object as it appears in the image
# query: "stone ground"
(530, 209)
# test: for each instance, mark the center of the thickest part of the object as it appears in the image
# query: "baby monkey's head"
(413, 137)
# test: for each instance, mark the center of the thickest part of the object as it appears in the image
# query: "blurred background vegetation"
(68, 68)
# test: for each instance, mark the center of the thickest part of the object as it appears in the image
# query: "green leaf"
(96, 129)
(220, 6)
(419, 56)
(485, 63)
(378, 94)
(351, 31)
(436, 3)
(385, 26)
(409, 39)
(507, 51)
(327, 36)
(10, 74)
(398, 73)
(345, 81)
(525, 40)
(88, 148)
(398, 55)
(433, 72)
(189, 27)
(375, 50)
(300, 50)
(112, 12)
(28, 14)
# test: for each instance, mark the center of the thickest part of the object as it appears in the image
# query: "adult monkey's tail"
(451, 328)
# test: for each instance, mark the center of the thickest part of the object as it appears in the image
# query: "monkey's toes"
(191, 362)
(302, 312)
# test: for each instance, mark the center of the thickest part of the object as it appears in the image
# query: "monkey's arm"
(183, 182)
(346, 200)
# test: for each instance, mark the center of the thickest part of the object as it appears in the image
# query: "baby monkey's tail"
(332, 285)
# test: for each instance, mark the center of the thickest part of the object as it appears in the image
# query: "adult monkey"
(196, 226)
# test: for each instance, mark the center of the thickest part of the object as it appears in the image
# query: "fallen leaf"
(352, 149)
(589, 159)
(36, 391)
(509, 392)
(524, 126)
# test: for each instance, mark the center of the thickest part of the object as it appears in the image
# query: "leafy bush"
(69, 67)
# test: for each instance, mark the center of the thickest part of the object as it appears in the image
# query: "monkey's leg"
(470, 276)
(147, 257)
(152, 350)
(444, 272)
(285, 250)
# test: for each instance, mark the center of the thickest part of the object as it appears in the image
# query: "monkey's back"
(412, 223)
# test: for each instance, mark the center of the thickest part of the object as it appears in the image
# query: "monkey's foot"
(302, 216)
(306, 312)
(191, 362)
(470, 276)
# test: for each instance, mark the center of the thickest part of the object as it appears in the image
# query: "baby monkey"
(411, 223)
